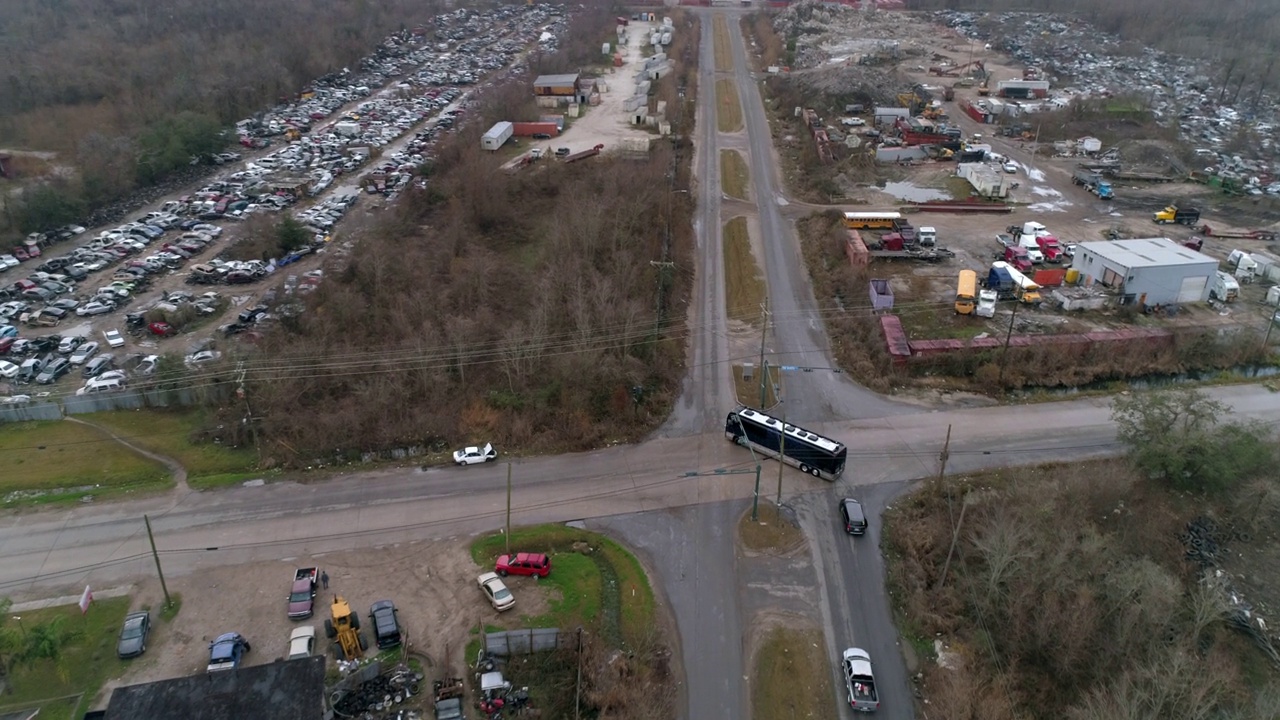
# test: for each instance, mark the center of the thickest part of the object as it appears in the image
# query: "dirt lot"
(1045, 193)
(433, 583)
(607, 123)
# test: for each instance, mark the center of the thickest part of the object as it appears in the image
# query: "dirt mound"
(859, 82)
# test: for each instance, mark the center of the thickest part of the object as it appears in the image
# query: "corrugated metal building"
(1147, 271)
(565, 85)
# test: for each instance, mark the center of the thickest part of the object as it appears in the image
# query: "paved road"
(708, 392)
(799, 336)
(692, 550)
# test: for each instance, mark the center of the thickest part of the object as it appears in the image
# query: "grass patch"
(749, 390)
(941, 323)
(59, 455)
(733, 174)
(744, 285)
(87, 660)
(170, 611)
(792, 678)
(772, 531)
(618, 587)
(173, 433)
(723, 51)
(728, 109)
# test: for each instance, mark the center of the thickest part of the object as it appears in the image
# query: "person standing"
(324, 579)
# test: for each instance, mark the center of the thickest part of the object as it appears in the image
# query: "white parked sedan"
(8, 261)
(83, 353)
(496, 590)
(114, 338)
(8, 370)
(204, 356)
(302, 642)
(475, 455)
(96, 307)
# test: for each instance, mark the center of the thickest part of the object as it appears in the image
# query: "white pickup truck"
(859, 682)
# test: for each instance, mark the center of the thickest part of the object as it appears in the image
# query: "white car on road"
(114, 338)
(475, 455)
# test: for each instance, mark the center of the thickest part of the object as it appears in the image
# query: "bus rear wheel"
(806, 469)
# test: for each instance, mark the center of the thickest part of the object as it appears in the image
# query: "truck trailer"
(1094, 183)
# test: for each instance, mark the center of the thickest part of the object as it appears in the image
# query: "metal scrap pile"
(381, 697)
(835, 34)
(1084, 62)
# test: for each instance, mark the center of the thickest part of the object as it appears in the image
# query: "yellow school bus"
(966, 292)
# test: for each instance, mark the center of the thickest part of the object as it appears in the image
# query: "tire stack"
(377, 699)
(1205, 541)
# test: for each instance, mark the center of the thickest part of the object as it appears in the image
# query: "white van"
(99, 385)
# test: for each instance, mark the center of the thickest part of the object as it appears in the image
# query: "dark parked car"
(541, 136)
(855, 521)
(226, 651)
(386, 626)
(53, 371)
(133, 636)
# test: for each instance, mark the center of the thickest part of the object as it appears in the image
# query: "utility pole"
(1271, 322)
(755, 500)
(248, 412)
(764, 330)
(782, 443)
(946, 453)
(508, 533)
(1004, 356)
(152, 539)
(955, 535)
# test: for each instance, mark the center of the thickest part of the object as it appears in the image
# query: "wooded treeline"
(514, 307)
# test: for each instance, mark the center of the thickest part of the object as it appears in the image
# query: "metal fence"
(525, 641)
(130, 399)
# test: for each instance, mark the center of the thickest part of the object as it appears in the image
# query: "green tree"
(47, 206)
(173, 142)
(291, 235)
(1183, 437)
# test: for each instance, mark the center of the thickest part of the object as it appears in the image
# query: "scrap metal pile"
(1084, 62)
(385, 696)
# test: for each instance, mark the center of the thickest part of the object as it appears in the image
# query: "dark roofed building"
(283, 690)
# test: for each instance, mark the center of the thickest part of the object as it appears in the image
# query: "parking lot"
(432, 583)
(349, 141)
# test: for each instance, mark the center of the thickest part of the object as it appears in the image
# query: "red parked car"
(524, 564)
(21, 253)
(163, 329)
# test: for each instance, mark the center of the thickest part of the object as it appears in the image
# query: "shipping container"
(529, 129)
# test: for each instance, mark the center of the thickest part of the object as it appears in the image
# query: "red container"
(529, 129)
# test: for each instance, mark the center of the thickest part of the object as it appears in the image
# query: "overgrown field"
(1076, 591)
(178, 434)
(528, 309)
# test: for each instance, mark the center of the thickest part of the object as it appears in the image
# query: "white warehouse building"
(1147, 271)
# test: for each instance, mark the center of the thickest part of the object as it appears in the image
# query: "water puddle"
(912, 192)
